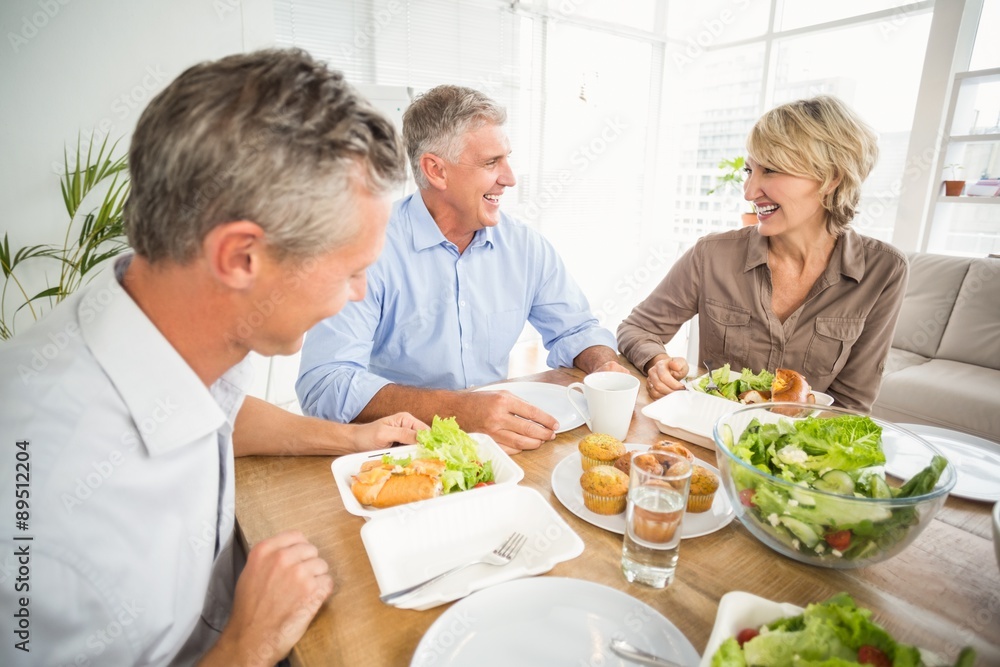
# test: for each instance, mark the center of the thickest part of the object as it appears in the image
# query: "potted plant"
(91, 238)
(953, 187)
(732, 177)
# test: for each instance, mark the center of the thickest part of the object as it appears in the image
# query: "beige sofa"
(944, 365)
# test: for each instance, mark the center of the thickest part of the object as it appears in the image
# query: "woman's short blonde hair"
(819, 138)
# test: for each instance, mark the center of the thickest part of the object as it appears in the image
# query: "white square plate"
(505, 471)
(410, 543)
(689, 415)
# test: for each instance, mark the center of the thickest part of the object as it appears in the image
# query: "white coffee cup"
(609, 401)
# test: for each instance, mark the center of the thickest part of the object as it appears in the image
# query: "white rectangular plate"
(505, 471)
(689, 415)
(411, 543)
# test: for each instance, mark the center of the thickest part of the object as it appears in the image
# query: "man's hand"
(514, 424)
(277, 595)
(664, 375)
(399, 428)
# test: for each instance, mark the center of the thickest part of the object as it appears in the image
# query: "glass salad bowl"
(813, 485)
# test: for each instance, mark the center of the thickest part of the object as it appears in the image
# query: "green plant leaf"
(99, 235)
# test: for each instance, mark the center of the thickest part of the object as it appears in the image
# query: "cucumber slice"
(726, 432)
(877, 488)
(836, 481)
(806, 534)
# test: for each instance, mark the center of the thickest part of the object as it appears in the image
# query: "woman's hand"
(664, 375)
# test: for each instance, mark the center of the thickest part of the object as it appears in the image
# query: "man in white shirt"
(258, 199)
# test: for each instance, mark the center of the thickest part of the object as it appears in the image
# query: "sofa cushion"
(972, 334)
(933, 285)
(943, 393)
(900, 359)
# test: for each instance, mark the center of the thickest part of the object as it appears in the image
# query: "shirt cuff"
(566, 350)
(345, 396)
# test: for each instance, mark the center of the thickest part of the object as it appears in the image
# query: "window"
(620, 112)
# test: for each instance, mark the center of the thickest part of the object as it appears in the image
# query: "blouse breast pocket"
(830, 346)
(728, 329)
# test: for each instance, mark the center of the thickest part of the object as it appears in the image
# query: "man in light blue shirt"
(450, 294)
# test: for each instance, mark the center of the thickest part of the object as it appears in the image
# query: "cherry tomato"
(839, 540)
(746, 497)
(869, 655)
(481, 484)
(746, 635)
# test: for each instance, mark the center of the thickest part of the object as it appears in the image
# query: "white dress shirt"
(131, 488)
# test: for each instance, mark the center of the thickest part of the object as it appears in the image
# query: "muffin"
(704, 484)
(673, 448)
(624, 462)
(605, 489)
(599, 449)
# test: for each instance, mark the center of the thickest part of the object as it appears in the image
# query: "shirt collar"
(169, 404)
(427, 234)
(848, 257)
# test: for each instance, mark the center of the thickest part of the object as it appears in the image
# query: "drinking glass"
(657, 497)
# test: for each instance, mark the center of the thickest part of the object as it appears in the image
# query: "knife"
(629, 652)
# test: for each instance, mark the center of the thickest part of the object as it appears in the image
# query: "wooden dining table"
(941, 593)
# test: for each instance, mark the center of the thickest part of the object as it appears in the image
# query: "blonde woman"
(801, 289)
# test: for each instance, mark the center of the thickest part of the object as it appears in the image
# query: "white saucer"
(566, 486)
(548, 397)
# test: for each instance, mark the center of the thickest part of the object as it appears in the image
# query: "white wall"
(76, 67)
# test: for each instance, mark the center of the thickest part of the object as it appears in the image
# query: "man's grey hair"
(274, 137)
(438, 120)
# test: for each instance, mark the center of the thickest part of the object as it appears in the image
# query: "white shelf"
(972, 138)
(968, 200)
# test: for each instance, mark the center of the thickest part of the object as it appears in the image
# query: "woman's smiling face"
(784, 202)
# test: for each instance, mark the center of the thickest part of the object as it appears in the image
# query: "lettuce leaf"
(446, 441)
(827, 634)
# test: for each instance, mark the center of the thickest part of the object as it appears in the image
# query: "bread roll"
(401, 489)
(382, 485)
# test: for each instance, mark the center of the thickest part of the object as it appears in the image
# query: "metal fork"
(711, 386)
(502, 555)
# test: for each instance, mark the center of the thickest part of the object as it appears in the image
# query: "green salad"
(835, 633)
(732, 388)
(839, 455)
(444, 440)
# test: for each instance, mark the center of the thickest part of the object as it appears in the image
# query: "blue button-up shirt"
(435, 318)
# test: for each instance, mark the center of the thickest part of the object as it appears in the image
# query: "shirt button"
(467, 346)
(462, 304)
